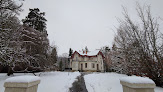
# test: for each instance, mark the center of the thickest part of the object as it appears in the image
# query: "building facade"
(87, 61)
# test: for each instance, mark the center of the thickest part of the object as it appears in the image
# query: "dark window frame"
(85, 65)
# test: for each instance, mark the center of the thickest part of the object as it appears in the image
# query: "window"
(93, 65)
(92, 58)
(76, 58)
(81, 66)
(97, 67)
(85, 65)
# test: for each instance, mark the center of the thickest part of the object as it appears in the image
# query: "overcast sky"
(79, 23)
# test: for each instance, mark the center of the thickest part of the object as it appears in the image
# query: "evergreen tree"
(54, 55)
(60, 65)
(107, 49)
(70, 52)
(36, 20)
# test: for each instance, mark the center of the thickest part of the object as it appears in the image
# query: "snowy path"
(79, 85)
(106, 82)
(50, 81)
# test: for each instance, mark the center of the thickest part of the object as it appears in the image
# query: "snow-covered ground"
(62, 81)
(57, 81)
(50, 81)
(106, 82)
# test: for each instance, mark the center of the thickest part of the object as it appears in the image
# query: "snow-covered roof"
(90, 53)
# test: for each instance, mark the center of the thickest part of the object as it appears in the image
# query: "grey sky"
(80, 23)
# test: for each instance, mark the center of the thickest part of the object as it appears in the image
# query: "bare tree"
(141, 44)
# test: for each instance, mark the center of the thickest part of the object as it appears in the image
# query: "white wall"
(77, 61)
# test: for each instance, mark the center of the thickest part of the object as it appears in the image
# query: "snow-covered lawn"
(106, 82)
(62, 81)
(57, 81)
(50, 81)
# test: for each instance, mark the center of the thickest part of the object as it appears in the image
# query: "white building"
(87, 61)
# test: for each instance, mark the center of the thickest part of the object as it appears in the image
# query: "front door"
(97, 67)
(81, 67)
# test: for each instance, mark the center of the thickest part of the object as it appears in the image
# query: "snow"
(22, 79)
(62, 81)
(136, 79)
(106, 82)
(50, 81)
(158, 89)
(90, 53)
(57, 81)
(103, 82)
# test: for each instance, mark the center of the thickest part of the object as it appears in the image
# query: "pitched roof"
(88, 54)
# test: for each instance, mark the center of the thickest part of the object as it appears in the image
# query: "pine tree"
(54, 55)
(36, 20)
(70, 52)
(107, 49)
(60, 65)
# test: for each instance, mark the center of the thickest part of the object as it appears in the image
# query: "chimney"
(83, 51)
